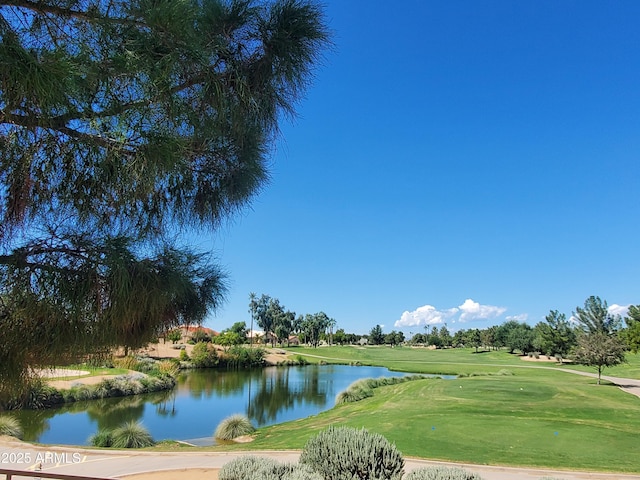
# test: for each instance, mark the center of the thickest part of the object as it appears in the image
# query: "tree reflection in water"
(200, 401)
(275, 394)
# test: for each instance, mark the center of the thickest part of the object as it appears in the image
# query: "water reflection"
(201, 399)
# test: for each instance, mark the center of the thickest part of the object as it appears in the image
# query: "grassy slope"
(537, 417)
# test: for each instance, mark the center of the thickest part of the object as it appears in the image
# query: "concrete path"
(629, 385)
(113, 464)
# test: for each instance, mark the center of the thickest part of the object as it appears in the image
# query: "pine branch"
(43, 8)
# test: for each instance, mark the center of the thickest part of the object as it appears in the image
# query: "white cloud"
(430, 315)
(622, 310)
(425, 315)
(522, 317)
(474, 311)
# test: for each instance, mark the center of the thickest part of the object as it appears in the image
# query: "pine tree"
(122, 124)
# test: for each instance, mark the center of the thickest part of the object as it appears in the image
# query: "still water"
(200, 400)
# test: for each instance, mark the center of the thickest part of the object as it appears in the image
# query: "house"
(189, 331)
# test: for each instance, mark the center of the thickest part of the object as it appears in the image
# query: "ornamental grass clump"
(233, 427)
(259, 468)
(344, 453)
(354, 393)
(102, 438)
(441, 473)
(10, 426)
(363, 388)
(131, 435)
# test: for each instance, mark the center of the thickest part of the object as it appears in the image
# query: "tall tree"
(123, 122)
(264, 310)
(632, 332)
(474, 338)
(556, 335)
(595, 317)
(600, 350)
(340, 336)
(240, 328)
(520, 338)
(315, 325)
(284, 326)
(445, 336)
(433, 338)
(253, 311)
(376, 337)
(331, 324)
(599, 344)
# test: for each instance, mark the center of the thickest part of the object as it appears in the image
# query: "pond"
(200, 400)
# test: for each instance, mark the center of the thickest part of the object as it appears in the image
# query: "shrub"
(343, 453)
(300, 360)
(233, 427)
(240, 356)
(102, 438)
(441, 473)
(131, 435)
(184, 357)
(40, 395)
(259, 468)
(146, 365)
(10, 426)
(83, 392)
(204, 355)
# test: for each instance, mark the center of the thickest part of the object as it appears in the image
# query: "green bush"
(233, 427)
(441, 473)
(184, 357)
(102, 438)
(300, 360)
(344, 453)
(204, 355)
(10, 426)
(131, 435)
(241, 356)
(259, 468)
(36, 394)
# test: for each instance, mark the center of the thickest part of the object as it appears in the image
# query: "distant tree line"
(592, 336)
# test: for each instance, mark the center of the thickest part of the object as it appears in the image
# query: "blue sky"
(467, 161)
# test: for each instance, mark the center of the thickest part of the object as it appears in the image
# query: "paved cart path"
(114, 464)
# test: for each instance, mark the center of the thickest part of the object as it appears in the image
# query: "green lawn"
(535, 417)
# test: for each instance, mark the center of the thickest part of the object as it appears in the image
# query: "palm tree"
(331, 323)
(253, 305)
